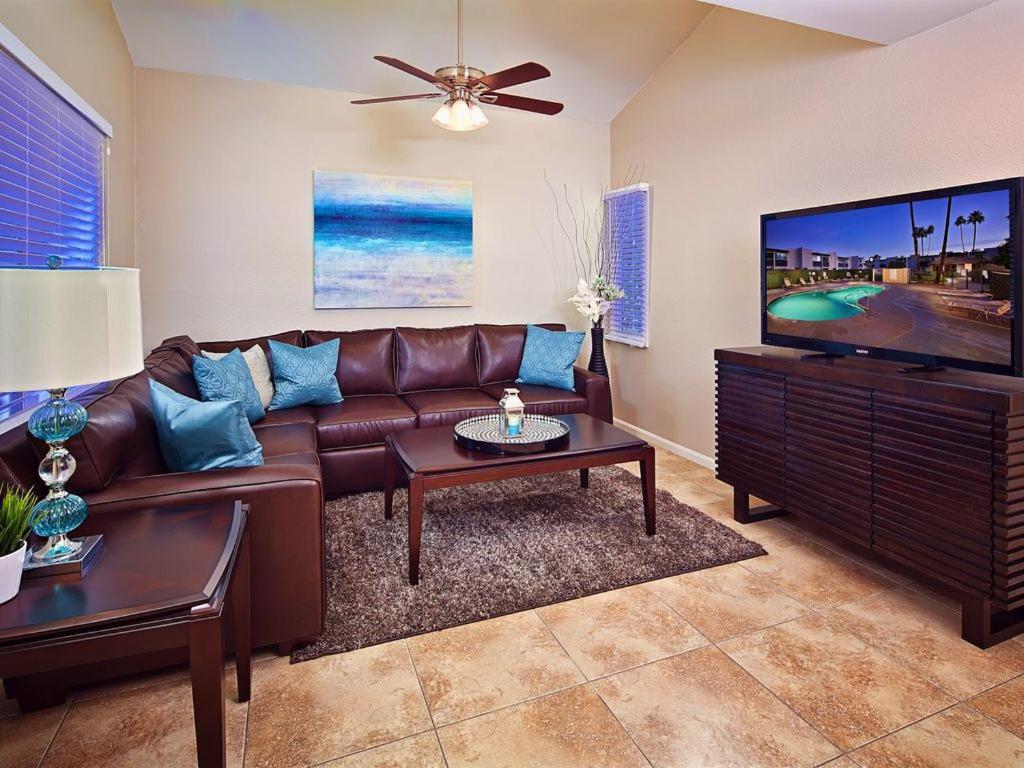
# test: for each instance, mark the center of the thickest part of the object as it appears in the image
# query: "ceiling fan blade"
(407, 68)
(506, 78)
(399, 98)
(522, 102)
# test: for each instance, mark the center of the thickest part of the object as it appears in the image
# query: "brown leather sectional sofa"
(391, 379)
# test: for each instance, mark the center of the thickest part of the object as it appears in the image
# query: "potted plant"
(15, 511)
(593, 300)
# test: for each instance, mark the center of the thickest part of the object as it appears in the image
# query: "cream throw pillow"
(259, 369)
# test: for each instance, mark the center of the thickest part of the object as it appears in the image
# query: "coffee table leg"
(585, 477)
(415, 526)
(206, 659)
(647, 481)
(389, 479)
(243, 621)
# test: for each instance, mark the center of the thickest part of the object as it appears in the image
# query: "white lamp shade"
(67, 327)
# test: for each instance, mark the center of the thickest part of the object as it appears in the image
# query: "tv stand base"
(923, 369)
(742, 513)
(984, 625)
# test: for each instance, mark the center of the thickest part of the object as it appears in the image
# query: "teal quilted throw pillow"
(548, 357)
(228, 379)
(305, 376)
(195, 436)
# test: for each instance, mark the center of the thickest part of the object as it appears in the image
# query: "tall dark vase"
(597, 361)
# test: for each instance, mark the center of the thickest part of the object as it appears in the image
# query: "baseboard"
(660, 442)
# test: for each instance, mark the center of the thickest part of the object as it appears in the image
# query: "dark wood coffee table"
(429, 458)
(161, 581)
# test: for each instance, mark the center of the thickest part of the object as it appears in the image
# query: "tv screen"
(929, 278)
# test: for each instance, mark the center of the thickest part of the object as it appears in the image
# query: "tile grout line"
(594, 689)
(622, 725)
(426, 703)
(559, 642)
(364, 750)
(53, 738)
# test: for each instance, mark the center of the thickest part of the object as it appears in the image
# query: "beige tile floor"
(809, 656)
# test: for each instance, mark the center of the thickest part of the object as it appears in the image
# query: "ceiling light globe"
(477, 116)
(462, 117)
(443, 115)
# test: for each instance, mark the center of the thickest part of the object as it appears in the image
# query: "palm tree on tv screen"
(974, 219)
(960, 223)
(945, 241)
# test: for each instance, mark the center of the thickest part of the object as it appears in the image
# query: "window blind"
(627, 227)
(51, 175)
(52, 181)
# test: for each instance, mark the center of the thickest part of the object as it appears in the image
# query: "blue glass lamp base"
(56, 548)
(60, 512)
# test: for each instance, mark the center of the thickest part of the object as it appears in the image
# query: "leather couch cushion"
(101, 449)
(167, 366)
(362, 420)
(366, 363)
(448, 406)
(300, 414)
(288, 337)
(544, 400)
(501, 350)
(436, 358)
(284, 439)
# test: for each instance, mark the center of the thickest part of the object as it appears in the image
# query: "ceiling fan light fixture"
(460, 114)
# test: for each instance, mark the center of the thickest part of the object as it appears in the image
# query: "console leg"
(742, 513)
(984, 625)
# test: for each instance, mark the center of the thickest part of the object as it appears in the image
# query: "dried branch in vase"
(594, 241)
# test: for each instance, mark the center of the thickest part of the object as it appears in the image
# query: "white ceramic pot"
(10, 573)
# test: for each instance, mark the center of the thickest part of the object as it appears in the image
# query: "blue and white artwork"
(391, 241)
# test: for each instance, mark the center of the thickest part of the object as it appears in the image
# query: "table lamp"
(61, 328)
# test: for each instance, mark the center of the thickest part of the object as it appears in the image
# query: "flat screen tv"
(931, 278)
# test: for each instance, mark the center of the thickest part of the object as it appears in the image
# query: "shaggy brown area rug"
(497, 548)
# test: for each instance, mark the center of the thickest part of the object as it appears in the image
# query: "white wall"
(82, 42)
(224, 202)
(751, 115)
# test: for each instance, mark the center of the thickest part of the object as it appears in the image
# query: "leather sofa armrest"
(197, 487)
(597, 390)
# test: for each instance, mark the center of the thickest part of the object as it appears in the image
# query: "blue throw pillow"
(548, 357)
(228, 379)
(305, 376)
(196, 436)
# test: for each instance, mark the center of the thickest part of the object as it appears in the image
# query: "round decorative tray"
(539, 433)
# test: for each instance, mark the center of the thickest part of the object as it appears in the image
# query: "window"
(53, 150)
(627, 214)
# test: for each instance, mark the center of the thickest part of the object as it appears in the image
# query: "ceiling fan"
(463, 87)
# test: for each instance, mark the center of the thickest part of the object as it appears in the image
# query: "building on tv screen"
(929, 277)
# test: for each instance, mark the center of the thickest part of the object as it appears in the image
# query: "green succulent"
(15, 510)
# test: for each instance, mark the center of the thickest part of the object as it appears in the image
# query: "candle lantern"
(512, 411)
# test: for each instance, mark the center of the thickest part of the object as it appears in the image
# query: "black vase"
(597, 361)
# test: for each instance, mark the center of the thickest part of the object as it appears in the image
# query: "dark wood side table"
(163, 580)
(429, 459)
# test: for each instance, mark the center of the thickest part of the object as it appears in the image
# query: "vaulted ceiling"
(600, 52)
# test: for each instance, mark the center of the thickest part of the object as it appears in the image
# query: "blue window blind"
(52, 180)
(51, 175)
(628, 229)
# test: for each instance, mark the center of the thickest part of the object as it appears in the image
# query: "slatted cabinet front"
(909, 477)
(828, 455)
(933, 488)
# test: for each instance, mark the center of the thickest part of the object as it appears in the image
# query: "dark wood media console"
(924, 468)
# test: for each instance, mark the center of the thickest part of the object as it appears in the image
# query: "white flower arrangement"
(593, 300)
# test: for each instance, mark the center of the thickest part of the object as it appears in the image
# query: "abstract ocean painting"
(391, 241)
